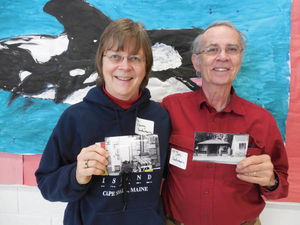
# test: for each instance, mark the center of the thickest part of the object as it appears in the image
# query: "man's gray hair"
(196, 45)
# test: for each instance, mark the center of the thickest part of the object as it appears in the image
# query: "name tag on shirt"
(178, 158)
(144, 127)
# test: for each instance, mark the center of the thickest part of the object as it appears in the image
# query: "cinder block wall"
(24, 205)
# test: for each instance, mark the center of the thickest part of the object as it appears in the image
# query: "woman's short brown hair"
(120, 32)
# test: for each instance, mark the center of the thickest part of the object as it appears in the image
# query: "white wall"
(24, 205)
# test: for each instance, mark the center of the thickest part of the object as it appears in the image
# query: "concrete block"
(9, 199)
(31, 202)
(277, 213)
(11, 219)
(57, 220)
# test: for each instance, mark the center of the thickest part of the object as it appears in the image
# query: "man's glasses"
(133, 60)
(216, 50)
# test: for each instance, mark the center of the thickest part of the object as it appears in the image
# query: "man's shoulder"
(179, 96)
(252, 108)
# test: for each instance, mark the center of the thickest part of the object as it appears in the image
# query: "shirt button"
(205, 216)
(209, 165)
(214, 119)
(206, 191)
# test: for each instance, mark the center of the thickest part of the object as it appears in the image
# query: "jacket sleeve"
(276, 149)
(56, 175)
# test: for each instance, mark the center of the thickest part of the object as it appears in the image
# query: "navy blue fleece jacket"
(101, 201)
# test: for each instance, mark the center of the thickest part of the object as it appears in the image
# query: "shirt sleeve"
(56, 174)
(276, 149)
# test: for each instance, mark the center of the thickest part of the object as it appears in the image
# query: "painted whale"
(57, 67)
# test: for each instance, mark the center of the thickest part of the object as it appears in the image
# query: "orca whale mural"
(56, 67)
(47, 51)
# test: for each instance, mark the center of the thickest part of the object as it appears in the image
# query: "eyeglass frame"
(220, 49)
(123, 57)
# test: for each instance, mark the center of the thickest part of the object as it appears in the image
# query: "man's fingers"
(252, 160)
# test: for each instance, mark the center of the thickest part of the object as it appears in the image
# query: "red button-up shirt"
(208, 193)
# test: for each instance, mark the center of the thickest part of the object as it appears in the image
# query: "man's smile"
(220, 69)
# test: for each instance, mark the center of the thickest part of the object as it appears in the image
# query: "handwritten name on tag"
(144, 127)
(178, 158)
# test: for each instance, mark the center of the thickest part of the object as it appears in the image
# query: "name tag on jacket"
(144, 127)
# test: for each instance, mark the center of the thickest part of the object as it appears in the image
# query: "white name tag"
(178, 158)
(144, 127)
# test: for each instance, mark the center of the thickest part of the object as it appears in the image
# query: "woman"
(72, 166)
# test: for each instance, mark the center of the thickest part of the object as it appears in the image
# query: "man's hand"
(257, 169)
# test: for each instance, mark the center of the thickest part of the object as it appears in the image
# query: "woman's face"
(123, 77)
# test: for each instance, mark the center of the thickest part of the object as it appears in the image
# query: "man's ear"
(195, 62)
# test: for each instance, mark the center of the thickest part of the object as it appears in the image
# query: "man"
(208, 193)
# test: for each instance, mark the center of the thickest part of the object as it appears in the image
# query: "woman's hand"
(91, 161)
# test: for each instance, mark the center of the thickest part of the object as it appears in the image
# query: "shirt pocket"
(229, 177)
(185, 144)
(255, 147)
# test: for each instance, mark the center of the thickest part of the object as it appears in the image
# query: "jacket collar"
(97, 96)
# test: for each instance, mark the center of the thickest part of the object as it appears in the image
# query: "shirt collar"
(234, 105)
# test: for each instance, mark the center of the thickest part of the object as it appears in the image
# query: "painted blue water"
(263, 79)
(27, 123)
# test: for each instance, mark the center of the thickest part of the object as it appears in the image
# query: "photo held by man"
(205, 191)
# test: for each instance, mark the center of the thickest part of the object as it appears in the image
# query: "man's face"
(222, 58)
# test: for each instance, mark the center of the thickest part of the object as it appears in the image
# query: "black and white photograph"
(132, 154)
(220, 147)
